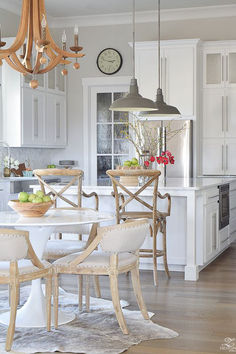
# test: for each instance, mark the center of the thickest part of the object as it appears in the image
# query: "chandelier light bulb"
(76, 29)
(63, 38)
(43, 22)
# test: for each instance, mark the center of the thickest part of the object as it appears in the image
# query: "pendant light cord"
(133, 39)
(159, 42)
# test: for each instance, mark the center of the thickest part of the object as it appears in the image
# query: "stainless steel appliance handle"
(165, 76)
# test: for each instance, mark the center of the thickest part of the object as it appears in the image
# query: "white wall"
(94, 39)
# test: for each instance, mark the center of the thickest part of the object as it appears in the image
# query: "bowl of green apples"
(130, 165)
(31, 205)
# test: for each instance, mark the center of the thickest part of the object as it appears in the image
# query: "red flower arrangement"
(165, 158)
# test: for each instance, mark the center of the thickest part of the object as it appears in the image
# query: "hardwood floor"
(203, 312)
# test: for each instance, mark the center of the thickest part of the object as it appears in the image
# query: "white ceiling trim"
(145, 16)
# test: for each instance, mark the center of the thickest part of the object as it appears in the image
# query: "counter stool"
(158, 218)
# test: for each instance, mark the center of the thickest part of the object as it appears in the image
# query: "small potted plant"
(9, 163)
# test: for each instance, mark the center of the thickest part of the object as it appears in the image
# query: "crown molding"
(179, 14)
(145, 16)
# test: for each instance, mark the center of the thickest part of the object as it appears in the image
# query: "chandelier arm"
(19, 40)
(29, 45)
(14, 66)
(51, 65)
(36, 22)
(17, 62)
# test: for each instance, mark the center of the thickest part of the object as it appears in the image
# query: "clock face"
(109, 61)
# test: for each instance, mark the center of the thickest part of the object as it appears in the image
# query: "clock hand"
(110, 61)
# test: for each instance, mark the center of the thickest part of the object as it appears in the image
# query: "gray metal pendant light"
(133, 101)
(162, 109)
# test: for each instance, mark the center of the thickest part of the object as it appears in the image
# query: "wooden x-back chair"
(158, 217)
(60, 248)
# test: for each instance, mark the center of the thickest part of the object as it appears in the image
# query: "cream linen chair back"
(127, 237)
(13, 245)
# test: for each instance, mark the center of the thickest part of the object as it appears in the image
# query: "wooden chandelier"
(34, 37)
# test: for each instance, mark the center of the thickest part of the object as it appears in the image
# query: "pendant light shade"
(163, 110)
(133, 101)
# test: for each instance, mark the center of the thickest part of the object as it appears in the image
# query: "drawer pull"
(233, 208)
(232, 190)
(214, 196)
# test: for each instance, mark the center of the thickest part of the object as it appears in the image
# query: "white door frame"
(91, 86)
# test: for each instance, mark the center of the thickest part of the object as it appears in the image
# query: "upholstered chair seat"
(95, 260)
(25, 267)
(60, 249)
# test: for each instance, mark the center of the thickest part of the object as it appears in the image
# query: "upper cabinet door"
(230, 63)
(147, 71)
(213, 157)
(179, 76)
(214, 68)
(33, 117)
(230, 112)
(56, 132)
(213, 118)
(177, 73)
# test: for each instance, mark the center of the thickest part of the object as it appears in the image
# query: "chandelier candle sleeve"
(76, 36)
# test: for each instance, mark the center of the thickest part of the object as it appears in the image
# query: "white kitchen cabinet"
(33, 111)
(213, 157)
(213, 113)
(178, 72)
(56, 124)
(38, 116)
(230, 160)
(219, 64)
(219, 107)
(212, 230)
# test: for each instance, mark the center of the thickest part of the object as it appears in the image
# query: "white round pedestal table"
(33, 312)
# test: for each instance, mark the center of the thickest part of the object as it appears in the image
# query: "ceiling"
(68, 8)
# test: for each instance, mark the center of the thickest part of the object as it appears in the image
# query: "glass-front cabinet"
(111, 128)
(219, 67)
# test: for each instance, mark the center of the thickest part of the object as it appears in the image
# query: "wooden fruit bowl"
(129, 180)
(30, 210)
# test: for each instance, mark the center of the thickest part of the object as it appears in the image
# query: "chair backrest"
(76, 177)
(150, 176)
(126, 237)
(13, 245)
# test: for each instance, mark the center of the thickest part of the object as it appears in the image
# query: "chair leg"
(97, 286)
(138, 292)
(55, 300)
(116, 303)
(154, 256)
(80, 291)
(88, 293)
(48, 301)
(165, 251)
(11, 328)
(9, 295)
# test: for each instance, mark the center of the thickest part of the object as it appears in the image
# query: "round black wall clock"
(109, 61)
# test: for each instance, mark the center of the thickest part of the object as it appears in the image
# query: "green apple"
(31, 197)
(23, 197)
(40, 194)
(37, 200)
(46, 199)
(134, 161)
(127, 163)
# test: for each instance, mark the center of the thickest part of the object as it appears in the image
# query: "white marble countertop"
(177, 184)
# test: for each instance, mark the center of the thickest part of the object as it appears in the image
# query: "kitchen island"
(193, 236)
